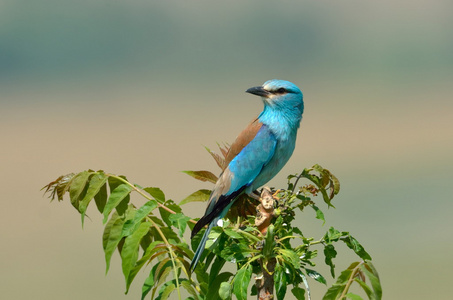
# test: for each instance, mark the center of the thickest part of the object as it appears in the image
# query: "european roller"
(258, 154)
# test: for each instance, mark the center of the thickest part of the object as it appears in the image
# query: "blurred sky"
(139, 87)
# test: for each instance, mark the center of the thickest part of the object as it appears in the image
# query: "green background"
(139, 87)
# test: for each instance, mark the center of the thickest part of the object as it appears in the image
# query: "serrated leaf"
(353, 244)
(141, 213)
(111, 237)
(241, 282)
(280, 282)
(118, 192)
(298, 292)
(156, 193)
(330, 253)
(225, 291)
(202, 175)
(129, 253)
(97, 181)
(332, 235)
(77, 186)
(199, 196)
(179, 221)
(290, 257)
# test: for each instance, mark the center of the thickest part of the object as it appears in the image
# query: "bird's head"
(280, 94)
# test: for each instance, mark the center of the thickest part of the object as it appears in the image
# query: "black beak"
(259, 91)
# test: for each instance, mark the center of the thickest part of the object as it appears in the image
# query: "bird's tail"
(201, 246)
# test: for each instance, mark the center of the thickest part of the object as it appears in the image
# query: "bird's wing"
(242, 140)
(240, 172)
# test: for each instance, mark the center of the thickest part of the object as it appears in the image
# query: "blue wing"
(240, 173)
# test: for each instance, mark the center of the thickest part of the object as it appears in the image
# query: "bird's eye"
(281, 90)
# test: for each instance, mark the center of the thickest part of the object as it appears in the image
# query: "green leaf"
(156, 193)
(165, 214)
(149, 282)
(200, 195)
(215, 286)
(366, 288)
(150, 250)
(166, 290)
(77, 187)
(141, 213)
(232, 233)
(129, 253)
(330, 253)
(333, 292)
(202, 175)
(97, 181)
(372, 274)
(111, 237)
(101, 198)
(353, 296)
(298, 292)
(339, 286)
(225, 291)
(236, 252)
(188, 287)
(241, 282)
(316, 276)
(332, 235)
(269, 242)
(280, 282)
(164, 268)
(357, 247)
(290, 257)
(319, 214)
(217, 265)
(179, 221)
(117, 195)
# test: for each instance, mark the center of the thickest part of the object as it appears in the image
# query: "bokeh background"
(139, 87)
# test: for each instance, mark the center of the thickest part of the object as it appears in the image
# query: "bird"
(259, 152)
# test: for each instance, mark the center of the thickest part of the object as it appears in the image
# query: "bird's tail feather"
(201, 246)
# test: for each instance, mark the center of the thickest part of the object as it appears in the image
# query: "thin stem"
(145, 195)
(350, 280)
(297, 180)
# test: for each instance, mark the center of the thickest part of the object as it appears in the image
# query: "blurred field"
(138, 88)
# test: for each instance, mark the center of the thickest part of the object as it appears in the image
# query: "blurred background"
(139, 87)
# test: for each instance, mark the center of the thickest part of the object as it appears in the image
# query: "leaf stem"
(144, 195)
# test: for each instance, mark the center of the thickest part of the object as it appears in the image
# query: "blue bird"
(258, 154)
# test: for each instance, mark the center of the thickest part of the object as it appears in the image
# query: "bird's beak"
(259, 91)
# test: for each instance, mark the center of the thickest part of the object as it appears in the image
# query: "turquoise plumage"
(258, 154)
